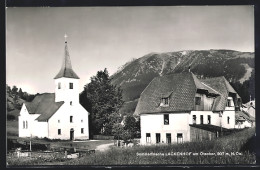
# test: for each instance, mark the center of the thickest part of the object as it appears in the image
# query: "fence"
(103, 137)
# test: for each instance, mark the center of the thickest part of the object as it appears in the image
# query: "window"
(228, 118)
(26, 125)
(70, 102)
(23, 124)
(168, 138)
(59, 131)
(197, 100)
(71, 119)
(81, 120)
(179, 138)
(158, 137)
(82, 130)
(71, 85)
(209, 119)
(201, 119)
(210, 136)
(228, 103)
(58, 121)
(194, 119)
(148, 138)
(165, 101)
(59, 85)
(166, 119)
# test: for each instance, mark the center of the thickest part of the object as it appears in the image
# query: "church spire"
(66, 68)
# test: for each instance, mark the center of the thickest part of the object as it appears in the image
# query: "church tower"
(67, 81)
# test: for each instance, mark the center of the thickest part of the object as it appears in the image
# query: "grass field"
(12, 128)
(241, 144)
(237, 148)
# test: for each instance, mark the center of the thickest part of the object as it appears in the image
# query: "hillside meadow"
(237, 148)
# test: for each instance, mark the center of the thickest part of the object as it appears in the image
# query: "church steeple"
(66, 68)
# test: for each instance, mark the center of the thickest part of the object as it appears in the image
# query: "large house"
(58, 115)
(179, 108)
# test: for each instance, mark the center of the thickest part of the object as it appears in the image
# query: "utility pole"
(31, 142)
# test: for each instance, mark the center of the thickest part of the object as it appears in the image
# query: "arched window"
(26, 124)
(59, 85)
(228, 118)
(23, 124)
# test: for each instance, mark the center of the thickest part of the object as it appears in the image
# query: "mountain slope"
(134, 76)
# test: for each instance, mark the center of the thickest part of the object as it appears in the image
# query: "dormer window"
(71, 85)
(59, 85)
(164, 102)
(228, 103)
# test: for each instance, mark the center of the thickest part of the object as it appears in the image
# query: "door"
(158, 137)
(72, 134)
(168, 138)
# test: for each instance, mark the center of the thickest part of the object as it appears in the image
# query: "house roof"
(43, 104)
(181, 89)
(66, 68)
(242, 115)
(221, 85)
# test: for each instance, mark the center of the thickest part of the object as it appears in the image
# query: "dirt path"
(104, 147)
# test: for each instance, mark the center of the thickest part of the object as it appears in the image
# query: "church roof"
(43, 104)
(66, 68)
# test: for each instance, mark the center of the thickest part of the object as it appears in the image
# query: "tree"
(117, 131)
(8, 88)
(20, 93)
(130, 125)
(103, 101)
(14, 90)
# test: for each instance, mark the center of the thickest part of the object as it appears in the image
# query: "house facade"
(58, 115)
(180, 108)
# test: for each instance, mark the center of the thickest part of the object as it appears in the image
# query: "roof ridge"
(210, 87)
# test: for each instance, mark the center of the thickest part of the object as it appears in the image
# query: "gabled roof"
(43, 104)
(221, 85)
(66, 68)
(181, 89)
(242, 115)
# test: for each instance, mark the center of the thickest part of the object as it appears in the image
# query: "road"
(104, 147)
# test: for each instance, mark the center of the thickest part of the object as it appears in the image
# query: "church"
(56, 115)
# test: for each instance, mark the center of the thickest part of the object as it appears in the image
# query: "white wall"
(154, 123)
(215, 119)
(64, 93)
(63, 115)
(229, 112)
(30, 118)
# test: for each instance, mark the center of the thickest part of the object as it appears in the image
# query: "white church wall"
(26, 122)
(61, 120)
(65, 93)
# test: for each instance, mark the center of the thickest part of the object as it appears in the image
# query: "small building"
(178, 108)
(58, 115)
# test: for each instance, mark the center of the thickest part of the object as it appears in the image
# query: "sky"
(108, 37)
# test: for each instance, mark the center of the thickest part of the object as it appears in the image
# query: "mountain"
(134, 76)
